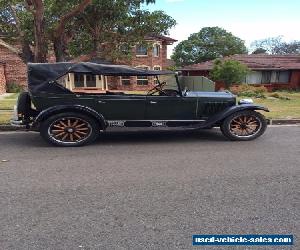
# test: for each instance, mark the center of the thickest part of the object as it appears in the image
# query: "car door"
(121, 107)
(171, 108)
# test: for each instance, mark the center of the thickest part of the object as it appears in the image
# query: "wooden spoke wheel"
(244, 125)
(70, 129)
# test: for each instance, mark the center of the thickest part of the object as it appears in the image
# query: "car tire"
(70, 129)
(244, 125)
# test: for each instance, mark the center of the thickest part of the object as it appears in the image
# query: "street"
(147, 190)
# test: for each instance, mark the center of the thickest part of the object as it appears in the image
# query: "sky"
(247, 19)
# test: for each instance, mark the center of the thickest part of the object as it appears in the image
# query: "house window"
(142, 80)
(156, 68)
(141, 50)
(266, 77)
(79, 80)
(156, 50)
(125, 80)
(125, 49)
(283, 76)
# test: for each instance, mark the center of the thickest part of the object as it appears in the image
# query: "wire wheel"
(70, 130)
(245, 125)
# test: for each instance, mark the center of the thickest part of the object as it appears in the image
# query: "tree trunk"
(40, 47)
(59, 40)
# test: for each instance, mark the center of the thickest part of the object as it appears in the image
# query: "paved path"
(147, 190)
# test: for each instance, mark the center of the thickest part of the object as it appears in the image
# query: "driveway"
(147, 190)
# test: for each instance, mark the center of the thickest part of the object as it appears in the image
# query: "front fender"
(230, 110)
(69, 108)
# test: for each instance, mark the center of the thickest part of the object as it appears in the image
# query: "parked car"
(66, 117)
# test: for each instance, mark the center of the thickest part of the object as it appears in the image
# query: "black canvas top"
(42, 76)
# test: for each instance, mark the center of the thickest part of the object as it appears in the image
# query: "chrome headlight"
(246, 101)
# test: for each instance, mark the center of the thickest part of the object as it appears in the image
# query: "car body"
(68, 118)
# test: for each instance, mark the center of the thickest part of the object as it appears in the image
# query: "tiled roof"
(255, 62)
(161, 37)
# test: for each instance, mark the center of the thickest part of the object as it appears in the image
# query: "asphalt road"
(147, 190)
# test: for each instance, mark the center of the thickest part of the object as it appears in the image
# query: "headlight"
(246, 101)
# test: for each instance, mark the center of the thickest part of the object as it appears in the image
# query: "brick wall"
(16, 70)
(150, 61)
(2, 79)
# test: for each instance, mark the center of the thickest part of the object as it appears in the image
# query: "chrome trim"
(154, 123)
(158, 120)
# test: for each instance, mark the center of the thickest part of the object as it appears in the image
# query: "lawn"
(8, 102)
(280, 108)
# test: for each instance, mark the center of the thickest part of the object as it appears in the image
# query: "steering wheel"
(158, 89)
(184, 91)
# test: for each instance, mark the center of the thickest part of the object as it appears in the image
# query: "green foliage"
(101, 27)
(208, 44)
(14, 88)
(229, 71)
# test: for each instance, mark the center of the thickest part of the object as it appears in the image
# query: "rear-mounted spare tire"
(24, 104)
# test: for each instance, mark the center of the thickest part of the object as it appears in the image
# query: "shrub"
(13, 87)
(249, 91)
(229, 71)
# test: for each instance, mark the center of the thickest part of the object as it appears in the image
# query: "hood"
(224, 94)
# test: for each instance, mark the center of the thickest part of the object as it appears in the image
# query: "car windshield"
(169, 80)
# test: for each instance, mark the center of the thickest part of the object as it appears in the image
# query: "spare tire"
(24, 103)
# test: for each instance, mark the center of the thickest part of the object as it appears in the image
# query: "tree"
(208, 44)
(73, 27)
(276, 46)
(259, 51)
(24, 23)
(109, 29)
(229, 71)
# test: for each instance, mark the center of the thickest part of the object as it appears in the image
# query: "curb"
(7, 127)
(284, 122)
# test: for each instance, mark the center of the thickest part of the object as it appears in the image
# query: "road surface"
(147, 190)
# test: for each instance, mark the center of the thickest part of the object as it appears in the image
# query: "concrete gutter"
(7, 127)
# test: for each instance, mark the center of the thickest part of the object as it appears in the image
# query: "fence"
(196, 83)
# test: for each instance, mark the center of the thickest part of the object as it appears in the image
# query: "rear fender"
(230, 110)
(69, 108)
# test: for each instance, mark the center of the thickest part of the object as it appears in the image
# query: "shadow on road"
(32, 139)
(144, 136)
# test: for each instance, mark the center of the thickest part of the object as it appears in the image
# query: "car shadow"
(122, 137)
(160, 136)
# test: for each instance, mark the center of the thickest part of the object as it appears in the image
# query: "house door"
(170, 108)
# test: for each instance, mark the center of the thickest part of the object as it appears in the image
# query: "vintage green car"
(66, 117)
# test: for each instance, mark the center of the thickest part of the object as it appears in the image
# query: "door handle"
(152, 102)
(101, 102)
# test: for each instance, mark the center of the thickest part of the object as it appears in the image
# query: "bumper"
(19, 124)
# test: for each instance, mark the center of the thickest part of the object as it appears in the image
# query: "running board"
(155, 123)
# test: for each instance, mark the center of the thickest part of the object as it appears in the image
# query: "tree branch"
(64, 19)
(9, 47)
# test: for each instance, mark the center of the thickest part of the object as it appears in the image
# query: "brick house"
(154, 57)
(12, 69)
(272, 71)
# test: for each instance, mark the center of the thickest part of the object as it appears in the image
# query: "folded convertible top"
(42, 76)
